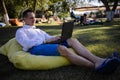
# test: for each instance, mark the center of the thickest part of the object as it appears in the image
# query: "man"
(83, 19)
(36, 41)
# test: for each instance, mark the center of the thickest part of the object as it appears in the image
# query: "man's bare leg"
(82, 51)
(74, 58)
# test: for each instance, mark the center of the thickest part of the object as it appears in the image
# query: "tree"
(110, 11)
(34, 6)
(43, 5)
(15, 11)
(5, 14)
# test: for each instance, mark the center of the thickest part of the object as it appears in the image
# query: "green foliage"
(63, 15)
(54, 1)
(13, 9)
(16, 7)
(65, 7)
(43, 4)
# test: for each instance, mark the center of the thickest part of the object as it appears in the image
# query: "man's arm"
(52, 39)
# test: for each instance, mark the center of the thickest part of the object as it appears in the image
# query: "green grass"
(101, 40)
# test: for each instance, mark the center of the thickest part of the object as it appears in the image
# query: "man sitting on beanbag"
(36, 41)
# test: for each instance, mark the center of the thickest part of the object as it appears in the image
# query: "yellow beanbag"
(26, 61)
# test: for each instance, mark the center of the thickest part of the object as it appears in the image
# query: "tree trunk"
(105, 2)
(110, 15)
(5, 14)
(34, 6)
(115, 5)
(113, 9)
(110, 12)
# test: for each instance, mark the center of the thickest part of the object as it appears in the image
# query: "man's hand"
(53, 39)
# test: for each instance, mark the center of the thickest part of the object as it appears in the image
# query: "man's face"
(30, 19)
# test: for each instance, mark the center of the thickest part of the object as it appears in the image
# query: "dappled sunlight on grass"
(99, 40)
(91, 29)
(47, 24)
(99, 33)
(103, 49)
(92, 34)
(56, 32)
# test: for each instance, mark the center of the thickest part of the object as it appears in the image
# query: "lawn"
(101, 40)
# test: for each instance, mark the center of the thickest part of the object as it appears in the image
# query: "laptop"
(67, 29)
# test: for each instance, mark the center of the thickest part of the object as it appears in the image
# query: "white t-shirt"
(29, 36)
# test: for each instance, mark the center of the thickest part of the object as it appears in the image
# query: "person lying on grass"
(35, 41)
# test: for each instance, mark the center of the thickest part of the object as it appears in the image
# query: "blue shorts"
(47, 49)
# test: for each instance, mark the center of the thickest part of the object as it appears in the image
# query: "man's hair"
(27, 11)
(85, 15)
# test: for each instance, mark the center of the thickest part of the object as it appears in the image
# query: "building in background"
(85, 3)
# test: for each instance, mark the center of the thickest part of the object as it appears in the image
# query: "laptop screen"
(67, 30)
